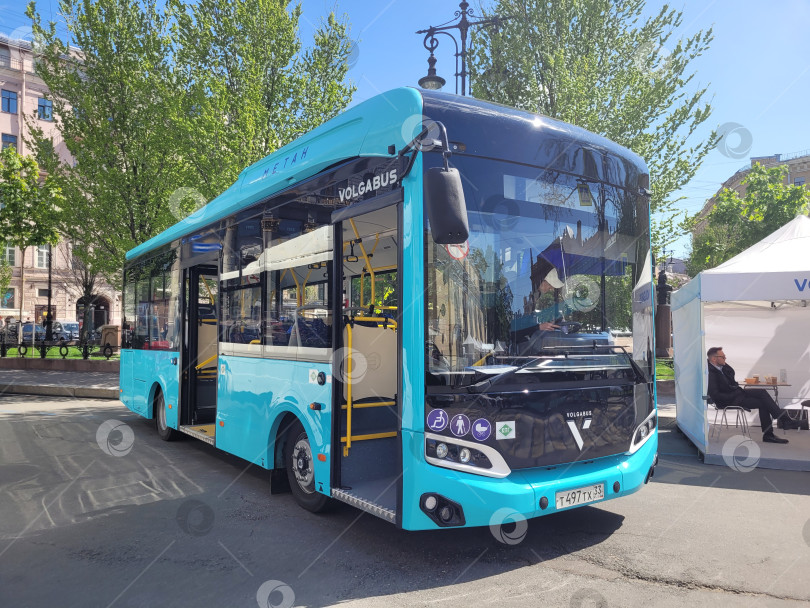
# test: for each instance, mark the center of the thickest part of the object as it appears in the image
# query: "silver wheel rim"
(302, 465)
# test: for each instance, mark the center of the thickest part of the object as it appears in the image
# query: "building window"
(9, 299)
(5, 57)
(10, 255)
(45, 109)
(9, 102)
(9, 140)
(42, 293)
(799, 181)
(42, 256)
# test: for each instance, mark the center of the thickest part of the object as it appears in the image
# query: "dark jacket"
(723, 388)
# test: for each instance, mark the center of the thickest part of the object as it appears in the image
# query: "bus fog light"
(431, 502)
(446, 514)
(441, 450)
(464, 455)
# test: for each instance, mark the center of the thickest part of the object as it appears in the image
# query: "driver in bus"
(551, 283)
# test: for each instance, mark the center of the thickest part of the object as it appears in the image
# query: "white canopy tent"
(755, 307)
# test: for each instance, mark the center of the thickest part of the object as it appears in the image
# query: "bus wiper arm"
(483, 385)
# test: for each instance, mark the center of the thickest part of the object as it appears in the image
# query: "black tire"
(299, 463)
(164, 431)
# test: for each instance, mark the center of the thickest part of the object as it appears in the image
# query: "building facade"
(25, 100)
(798, 164)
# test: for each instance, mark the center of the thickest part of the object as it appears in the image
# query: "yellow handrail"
(348, 393)
(210, 294)
(368, 262)
(349, 404)
(206, 362)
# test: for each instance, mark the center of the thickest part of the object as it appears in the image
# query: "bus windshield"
(551, 264)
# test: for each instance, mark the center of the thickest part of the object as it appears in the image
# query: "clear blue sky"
(758, 67)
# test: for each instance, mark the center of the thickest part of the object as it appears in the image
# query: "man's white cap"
(553, 279)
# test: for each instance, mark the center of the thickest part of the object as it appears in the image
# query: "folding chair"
(740, 420)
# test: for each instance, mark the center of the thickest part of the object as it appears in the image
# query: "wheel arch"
(156, 388)
(278, 436)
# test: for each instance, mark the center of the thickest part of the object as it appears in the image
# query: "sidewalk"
(97, 385)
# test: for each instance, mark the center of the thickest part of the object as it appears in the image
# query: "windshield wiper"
(483, 385)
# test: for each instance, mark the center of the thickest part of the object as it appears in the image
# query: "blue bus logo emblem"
(437, 420)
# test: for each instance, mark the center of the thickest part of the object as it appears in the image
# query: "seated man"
(725, 392)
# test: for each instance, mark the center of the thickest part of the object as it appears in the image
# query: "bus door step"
(349, 497)
(203, 432)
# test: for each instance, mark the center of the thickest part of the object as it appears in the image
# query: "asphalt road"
(97, 513)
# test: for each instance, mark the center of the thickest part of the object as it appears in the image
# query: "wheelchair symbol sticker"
(437, 420)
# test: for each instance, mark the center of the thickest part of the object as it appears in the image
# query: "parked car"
(32, 332)
(10, 330)
(67, 331)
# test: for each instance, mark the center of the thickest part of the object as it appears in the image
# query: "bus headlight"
(447, 451)
(643, 432)
(470, 457)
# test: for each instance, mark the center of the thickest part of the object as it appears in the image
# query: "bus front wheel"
(301, 470)
(165, 432)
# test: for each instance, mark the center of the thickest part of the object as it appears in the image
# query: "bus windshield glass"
(551, 266)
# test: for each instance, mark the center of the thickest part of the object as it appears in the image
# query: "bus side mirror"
(446, 209)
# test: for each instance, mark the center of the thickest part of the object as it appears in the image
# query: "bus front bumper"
(473, 500)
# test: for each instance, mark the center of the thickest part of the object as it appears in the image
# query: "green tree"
(111, 106)
(250, 86)
(29, 207)
(736, 222)
(602, 65)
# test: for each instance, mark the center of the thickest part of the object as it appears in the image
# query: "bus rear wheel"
(301, 470)
(165, 432)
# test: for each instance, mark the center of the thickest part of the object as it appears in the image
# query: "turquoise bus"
(409, 310)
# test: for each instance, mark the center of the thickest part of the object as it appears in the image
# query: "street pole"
(48, 320)
(432, 80)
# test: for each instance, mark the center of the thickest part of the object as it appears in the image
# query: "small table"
(768, 385)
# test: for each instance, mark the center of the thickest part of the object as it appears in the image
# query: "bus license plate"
(580, 496)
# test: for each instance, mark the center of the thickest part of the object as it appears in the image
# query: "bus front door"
(199, 375)
(368, 363)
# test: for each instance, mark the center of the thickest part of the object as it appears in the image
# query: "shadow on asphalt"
(679, 464)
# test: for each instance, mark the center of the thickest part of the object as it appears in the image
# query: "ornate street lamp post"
(434, 81)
